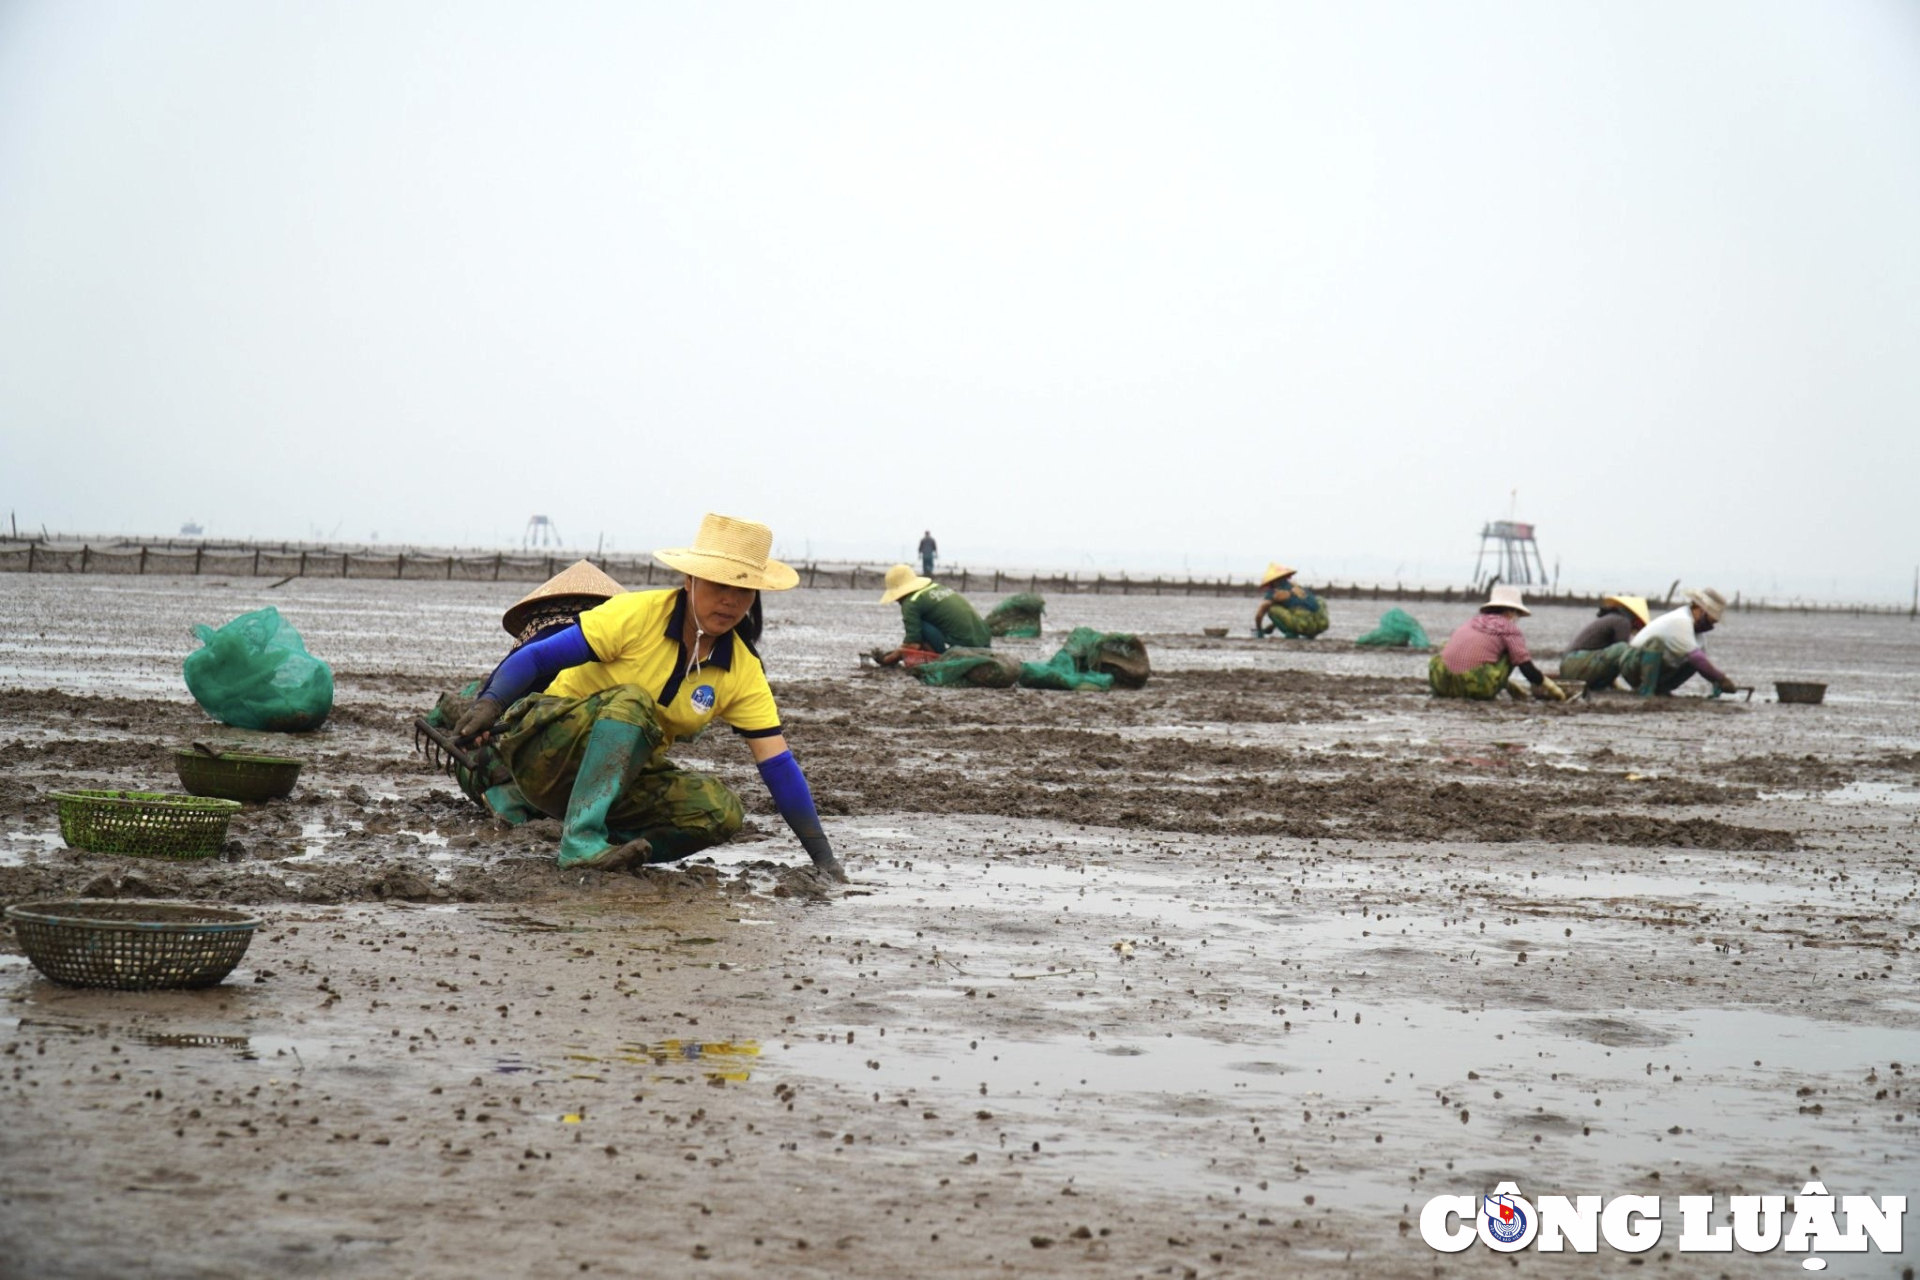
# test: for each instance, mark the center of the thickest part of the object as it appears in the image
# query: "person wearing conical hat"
(581, 722)
(1667, 652)
(553, 606)
(1591, 658)
(1294, 611)
(558, 602)
(1486, 649)
(934, 618)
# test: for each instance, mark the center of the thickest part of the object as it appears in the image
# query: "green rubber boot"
(510, 804)
(614, 755)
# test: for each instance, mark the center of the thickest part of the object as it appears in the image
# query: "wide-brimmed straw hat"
(1275, 572)
(1506, 597)
(1711, 602)
(732, 553)
(1635, 605)
(902, 581)
(580, 581)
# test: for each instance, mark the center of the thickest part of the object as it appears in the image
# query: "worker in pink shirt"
(1488, 648)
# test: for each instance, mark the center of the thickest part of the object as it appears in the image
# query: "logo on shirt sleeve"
(703, 699)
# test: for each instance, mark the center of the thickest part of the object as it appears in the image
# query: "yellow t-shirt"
(636, 636)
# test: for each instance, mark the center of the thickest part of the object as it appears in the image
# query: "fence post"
(496, 566)
(143, 559)
(199, 553)
(343, 563)
(449, 568)
(86, 556)
(813, 571)
(256, 562)
(400, 565)
(303, 564)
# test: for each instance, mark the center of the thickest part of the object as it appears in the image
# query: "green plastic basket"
(234, 775)
(144, 824)
(131, 945)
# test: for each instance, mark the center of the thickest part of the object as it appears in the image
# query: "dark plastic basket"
(1802, 691)
(234, 775)
(131, 945)
(144, 824)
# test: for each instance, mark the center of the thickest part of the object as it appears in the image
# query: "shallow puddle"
(1410, 1089)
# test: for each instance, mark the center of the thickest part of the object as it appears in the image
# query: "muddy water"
(1225, 976)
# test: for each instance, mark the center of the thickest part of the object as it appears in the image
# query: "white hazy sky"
(1102, 284)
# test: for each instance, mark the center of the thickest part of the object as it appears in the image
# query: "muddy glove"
(788, 787)
(1548, 691)
(823, 860)
(478, 720)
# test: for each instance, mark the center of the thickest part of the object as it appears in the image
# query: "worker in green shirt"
(936, 618)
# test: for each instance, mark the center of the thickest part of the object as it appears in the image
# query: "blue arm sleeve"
(788, 787)
(533, 666)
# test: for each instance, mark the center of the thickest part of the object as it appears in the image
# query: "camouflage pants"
(1595, 668)
(1482, 683)
(1298, 624)
(541, 742)
(1645, 670)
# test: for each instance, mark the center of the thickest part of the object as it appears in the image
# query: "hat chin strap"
(699, 632)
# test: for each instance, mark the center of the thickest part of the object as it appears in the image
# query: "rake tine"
(442, 742)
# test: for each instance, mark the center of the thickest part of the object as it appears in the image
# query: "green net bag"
(1017, 616)
(254, 673)
(1112, 653)
(981, 668)
(1059, 672)
(1397, 629)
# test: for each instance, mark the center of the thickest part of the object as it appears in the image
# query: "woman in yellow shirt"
(617, 690)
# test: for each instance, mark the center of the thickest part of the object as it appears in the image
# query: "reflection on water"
(720, 1061)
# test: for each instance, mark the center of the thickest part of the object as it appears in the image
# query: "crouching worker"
(1296, 612)
(1489, 647)
(579, 724)
(934, 618)
(1591, 658)
(1667, 651)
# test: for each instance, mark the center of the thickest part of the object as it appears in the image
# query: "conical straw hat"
(732, 553)
(1275, 571)
(580, 579)
(902, 581)
(1635, 605)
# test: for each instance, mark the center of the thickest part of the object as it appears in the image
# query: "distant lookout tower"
(541, 532)
(1515, 559)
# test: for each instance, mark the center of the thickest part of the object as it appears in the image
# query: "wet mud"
(1224, 976)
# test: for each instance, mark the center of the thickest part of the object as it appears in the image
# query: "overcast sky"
(1104, 285)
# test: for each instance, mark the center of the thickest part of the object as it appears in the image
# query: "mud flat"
(1226, 976)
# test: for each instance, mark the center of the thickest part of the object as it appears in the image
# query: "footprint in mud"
(1612, 1032)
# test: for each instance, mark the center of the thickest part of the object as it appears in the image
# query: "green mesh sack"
(1017, 616)
(1397, 630)
(1113, 653)
(1059, 672)
(982, 668)
(254, 673)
